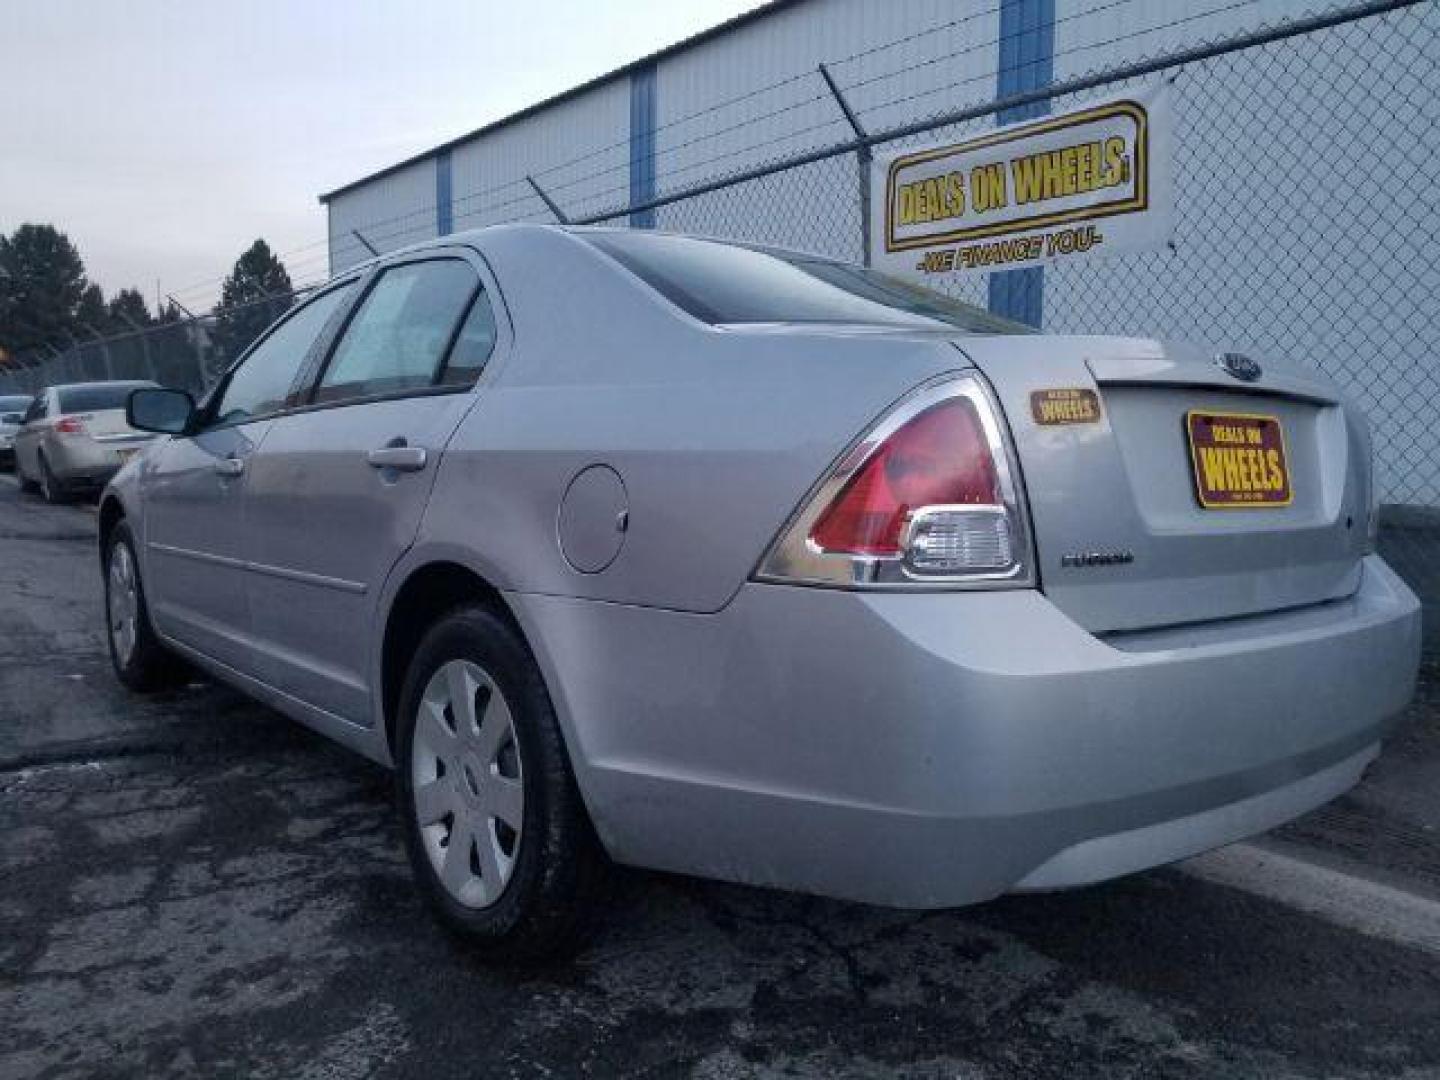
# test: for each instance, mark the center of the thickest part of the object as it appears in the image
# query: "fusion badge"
(1238, 460)
(1065, 406)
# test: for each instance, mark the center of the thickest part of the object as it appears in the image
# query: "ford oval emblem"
(1239, 366)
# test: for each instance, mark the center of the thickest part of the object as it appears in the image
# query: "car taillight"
(939, 458)
(926, 498)
(69, 425)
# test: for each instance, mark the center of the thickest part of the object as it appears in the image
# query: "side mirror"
(168, 412)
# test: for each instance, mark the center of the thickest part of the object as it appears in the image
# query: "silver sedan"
(12, 416)
(74, 438)
(761, 566)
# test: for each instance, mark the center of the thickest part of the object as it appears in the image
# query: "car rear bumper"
(81, 461)
(940, 749)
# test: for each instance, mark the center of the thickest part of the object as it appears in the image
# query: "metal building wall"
(577, 150)
(390, 212)
(718, 108)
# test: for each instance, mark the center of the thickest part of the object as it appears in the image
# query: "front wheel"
(498, 838)
(140, 661)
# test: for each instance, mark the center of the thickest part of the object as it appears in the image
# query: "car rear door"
(194, 490)
(337, 491)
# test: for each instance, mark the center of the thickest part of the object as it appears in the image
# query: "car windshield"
(722, 283)
(99, 396)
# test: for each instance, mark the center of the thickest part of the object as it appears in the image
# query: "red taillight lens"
(69, 425)
(941, 457)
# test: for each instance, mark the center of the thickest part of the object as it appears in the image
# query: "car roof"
(471, 237)
(102, 382)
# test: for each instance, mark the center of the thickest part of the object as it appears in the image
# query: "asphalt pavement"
(190, 885)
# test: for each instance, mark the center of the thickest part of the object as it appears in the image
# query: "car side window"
(261, 384)
(473, 345)
(399, 335)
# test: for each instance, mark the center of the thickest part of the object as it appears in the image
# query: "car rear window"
(14, 404)
(76, 399)
(722, 283)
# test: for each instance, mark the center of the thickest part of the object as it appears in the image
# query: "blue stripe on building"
(642, 144)
(444, 207)
(1027, 52)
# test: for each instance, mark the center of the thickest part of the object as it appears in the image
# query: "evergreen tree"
(127, 311)
(42, 279)
(256, 293)
(92, 317)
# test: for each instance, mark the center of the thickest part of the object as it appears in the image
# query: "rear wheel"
(140, 661)
(498, 838)
(51, 489)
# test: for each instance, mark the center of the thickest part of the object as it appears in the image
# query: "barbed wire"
(525, 203)
(429, 210)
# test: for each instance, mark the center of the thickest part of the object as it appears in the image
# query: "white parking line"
(1343, 899)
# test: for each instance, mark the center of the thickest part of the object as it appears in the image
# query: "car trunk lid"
(108, 425)
(1123, 540)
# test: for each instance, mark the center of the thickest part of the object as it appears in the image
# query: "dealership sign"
(1093, 181)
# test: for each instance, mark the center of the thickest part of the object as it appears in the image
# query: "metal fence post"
(863, 157)
(361, 237)
(104, 350)
(549, 202)
(144, 346)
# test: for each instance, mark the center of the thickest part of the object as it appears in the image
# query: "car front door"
(194, 489)
(338, 489)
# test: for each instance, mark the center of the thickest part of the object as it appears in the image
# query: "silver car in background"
(74, 438)
(761, 566)
(12, 415)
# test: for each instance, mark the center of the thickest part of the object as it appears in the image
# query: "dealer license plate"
(1238, 460)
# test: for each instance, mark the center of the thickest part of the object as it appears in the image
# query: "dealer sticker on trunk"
(1238, 460)
(1064, 405)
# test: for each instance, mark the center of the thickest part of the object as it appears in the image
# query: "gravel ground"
(194, 885)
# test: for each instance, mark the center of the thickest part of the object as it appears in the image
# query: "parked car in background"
(73, 438)
(761, 566)
(12, 415)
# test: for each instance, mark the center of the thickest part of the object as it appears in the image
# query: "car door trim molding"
(359, 588)
(198, 556)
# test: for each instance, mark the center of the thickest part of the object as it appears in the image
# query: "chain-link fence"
(1306, 212)
(189, 354)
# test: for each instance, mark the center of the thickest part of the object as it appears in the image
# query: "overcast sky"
(165, 135)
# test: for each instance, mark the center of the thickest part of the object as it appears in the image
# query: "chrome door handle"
(230, 466)
(399, 458)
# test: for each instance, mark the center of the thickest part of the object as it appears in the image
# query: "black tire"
(26, 484)
(558, 880)
(51, 489)
(149, 666)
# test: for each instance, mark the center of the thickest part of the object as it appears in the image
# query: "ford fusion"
(765, 567)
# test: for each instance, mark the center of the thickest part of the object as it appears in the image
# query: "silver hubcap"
(122, 601)
(469, 794)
